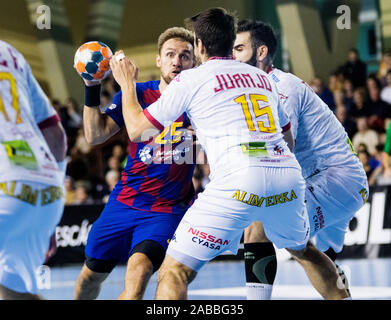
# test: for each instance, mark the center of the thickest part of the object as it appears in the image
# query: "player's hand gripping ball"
(92, 60)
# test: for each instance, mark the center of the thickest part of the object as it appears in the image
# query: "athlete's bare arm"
(56, 139)
(288, 137)
(138, 127)
(98, 127)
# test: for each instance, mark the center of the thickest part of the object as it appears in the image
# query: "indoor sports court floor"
(224, 280)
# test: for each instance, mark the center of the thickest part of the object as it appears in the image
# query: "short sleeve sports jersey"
(321, 140)
(158, 174)
(234, 109)
(24, 110)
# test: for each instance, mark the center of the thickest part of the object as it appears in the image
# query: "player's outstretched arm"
(98, 128)
(138, 127)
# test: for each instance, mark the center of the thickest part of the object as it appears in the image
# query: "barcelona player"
(155, 188)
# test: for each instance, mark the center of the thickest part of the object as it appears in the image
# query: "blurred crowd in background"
(360, 101)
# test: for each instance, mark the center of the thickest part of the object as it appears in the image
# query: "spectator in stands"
(384, 67)
(350, 126)
(71, 116)
(348, 91)
(386, 91)
(119, 152)
(372, 171)
(70, 193)
(379, 109)
(111, 178)
(364, 157)
(335, 83)
(82, 193)
(113, 164)
(56, 105)
(354, 69)
(338, 99)
(360, 107)
(372, 82)
(323, 92)
(365, 136)
(376, 160)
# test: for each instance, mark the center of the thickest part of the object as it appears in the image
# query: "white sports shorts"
(29, 213)
(215, 222)
(333, 196)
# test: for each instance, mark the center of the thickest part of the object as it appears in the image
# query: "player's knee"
(140, 266)
(152, 250)
(176, 271)
(304, 253)
(90, 278)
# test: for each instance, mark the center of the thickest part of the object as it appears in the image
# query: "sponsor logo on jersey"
(145, 154)
(258, 201)
(26, 193)
(318, 219)
(278, 150)
(208, 240)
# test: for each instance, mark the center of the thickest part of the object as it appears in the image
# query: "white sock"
(258, 291)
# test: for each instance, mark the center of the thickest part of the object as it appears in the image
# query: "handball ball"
(92, 60)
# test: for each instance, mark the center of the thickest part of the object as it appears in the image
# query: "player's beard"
(253, 60)
(197, 61)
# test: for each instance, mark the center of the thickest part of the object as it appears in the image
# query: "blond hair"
(175, 32)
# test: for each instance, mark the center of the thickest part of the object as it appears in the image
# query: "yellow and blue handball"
(92, 60)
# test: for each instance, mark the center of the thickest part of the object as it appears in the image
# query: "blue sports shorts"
(120, 228)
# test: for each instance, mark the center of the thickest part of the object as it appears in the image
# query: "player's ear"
(201, 46)
(262, 52)
(158, 61)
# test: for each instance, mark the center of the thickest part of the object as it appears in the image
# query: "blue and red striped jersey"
(158, 174)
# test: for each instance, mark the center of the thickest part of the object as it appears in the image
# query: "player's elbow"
(93, 138)
(139, 128)
(134, 135)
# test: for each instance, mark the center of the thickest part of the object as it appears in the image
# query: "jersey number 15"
(258, 112)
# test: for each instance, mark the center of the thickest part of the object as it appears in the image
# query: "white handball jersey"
(321, 140)
(24, 154)
(234, 109)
